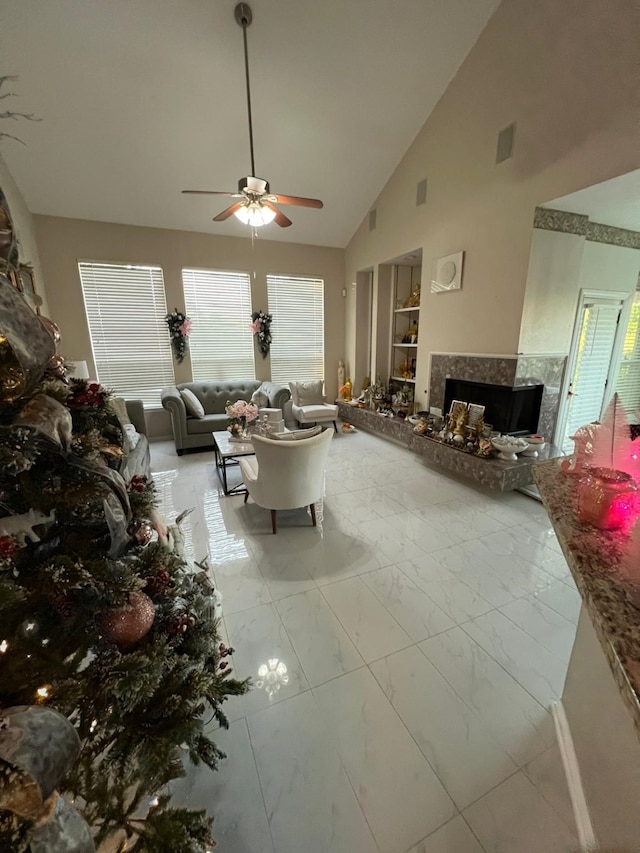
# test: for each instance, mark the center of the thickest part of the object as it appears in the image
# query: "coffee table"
(227, 453)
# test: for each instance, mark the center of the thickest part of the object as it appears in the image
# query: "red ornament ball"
(142, 532)
(9, 546)
(129, 623)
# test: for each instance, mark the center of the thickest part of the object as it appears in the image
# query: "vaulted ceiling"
(139, 99)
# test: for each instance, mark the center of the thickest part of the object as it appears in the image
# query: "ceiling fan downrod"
(244, 17)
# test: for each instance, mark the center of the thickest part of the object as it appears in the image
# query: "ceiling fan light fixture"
(255, 214)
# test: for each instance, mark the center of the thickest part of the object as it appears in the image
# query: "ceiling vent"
(504, 149)
(372, 220)
(421, 192)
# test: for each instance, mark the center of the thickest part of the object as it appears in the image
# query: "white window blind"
(628, 384)
(297, 306)
(221, 343)
(125, 308)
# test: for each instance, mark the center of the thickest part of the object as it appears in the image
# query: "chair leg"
(335, 426)
(312, 507)
(273, 521)
(246, 496)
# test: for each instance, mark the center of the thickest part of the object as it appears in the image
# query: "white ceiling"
(615, 202)
(142, 98)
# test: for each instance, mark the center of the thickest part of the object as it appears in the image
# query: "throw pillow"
(260, 398)
(307, 393)
(119, 407)
(192, 404)
(296, 434)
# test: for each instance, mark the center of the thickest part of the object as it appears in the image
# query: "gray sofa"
(189, 431)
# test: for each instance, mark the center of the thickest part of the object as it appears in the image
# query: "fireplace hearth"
(512, 410)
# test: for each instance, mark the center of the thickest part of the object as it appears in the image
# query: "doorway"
(593, 361)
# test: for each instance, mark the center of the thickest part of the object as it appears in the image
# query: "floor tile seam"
(264, 801)
(332, 740)
(419, 584)
(562, 817)
(468, 704)
(293, 646)
(528, 633)
(415, 741)
(321, 588)
(458, 814)
(526, 689)
(436, 606)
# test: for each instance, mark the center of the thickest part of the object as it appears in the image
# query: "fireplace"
(514, 410)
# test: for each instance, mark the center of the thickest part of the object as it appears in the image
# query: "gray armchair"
(189, 431)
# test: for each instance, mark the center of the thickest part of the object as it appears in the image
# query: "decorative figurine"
(341, 373)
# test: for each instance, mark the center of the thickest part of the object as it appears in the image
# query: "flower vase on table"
(240, 415)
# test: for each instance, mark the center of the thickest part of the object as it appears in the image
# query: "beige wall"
(24, 226)
(63, 242)
(560, 266)
(563, 73)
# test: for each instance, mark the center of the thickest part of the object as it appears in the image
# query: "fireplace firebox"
(511, 410)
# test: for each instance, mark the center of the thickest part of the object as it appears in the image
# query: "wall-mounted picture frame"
(27, 286)
(447, 273)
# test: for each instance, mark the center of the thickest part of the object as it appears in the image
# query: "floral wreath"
(261, 328)
(179, 330)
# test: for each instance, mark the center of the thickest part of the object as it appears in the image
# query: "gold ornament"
(129, 623)
(52, 328)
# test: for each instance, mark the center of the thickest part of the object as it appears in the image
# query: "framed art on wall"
(447, 273)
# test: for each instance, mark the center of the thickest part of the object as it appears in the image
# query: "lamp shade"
(78, 369)
(255, 214)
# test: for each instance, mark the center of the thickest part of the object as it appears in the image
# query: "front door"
(596, 337)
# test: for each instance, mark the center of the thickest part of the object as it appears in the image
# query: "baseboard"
(584, 827)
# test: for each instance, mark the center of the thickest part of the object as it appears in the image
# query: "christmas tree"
(114, 630)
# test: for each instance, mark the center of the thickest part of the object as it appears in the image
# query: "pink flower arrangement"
(185, 327)
(255, 327)
(241, 409)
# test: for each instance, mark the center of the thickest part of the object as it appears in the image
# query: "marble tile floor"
(404, 655)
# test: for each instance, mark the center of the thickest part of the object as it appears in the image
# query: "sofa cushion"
(325, 412)
(260, 398)
(307, 393)
(207, 424)
(119, 407)
(193, 405)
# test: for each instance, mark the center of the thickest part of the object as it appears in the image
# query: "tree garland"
(179, 330)
(261, 328)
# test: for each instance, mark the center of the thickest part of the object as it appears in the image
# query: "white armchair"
(286, 474)
(308, 404)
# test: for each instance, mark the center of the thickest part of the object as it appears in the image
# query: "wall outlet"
(435, 411)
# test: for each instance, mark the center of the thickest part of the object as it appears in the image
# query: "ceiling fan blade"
(281, 220)
(211, 192)
(229, 211)
(297, 201)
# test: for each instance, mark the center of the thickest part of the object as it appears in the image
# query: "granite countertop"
(606, 569)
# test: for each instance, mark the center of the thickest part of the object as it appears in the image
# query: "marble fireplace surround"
(510, 370)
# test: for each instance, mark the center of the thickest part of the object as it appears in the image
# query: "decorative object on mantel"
(240, 415)
(413, 300)
(447, 273)
(179, 330)
(346, 391)
(261, 328)
(607, 490)
(342, 375)
(509, 446)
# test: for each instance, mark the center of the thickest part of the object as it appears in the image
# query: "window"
(628, 384)
(221, 343)
(297, 306)
(126, 307)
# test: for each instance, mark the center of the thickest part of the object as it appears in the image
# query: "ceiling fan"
(256, 205)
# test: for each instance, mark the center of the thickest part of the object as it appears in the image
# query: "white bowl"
(509, 447)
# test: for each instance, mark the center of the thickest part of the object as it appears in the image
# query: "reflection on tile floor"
(404, 654)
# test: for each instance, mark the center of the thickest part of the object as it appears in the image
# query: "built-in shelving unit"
(405, 320)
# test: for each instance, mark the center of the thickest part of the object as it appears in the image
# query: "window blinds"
(219, 304)
(126, 307)
(297, 306)
(628, 384)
